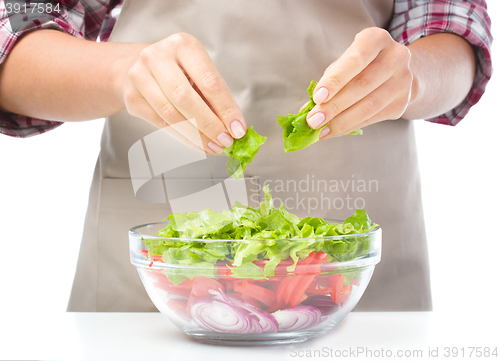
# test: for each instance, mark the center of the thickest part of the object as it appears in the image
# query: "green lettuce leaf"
(296, 132)
(266, 206)
(360, 221)
(248, 270)
(276, 251)
(242, 152)
(280, 234)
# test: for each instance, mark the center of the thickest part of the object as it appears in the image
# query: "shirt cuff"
(415, 19)
(23, 127)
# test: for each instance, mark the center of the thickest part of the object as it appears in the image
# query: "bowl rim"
(133, 232)
(372, 258)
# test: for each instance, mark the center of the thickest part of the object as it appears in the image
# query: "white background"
(44, 191)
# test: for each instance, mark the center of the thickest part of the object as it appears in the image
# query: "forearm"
(443, 68)
(52, 75)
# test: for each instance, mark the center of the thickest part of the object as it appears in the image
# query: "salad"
(256, 270)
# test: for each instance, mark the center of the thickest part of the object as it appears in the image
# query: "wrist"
(416, 86)
(126, 56)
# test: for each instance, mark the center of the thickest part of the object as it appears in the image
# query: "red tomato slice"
(321, 257)
(280, 293)
(292, 283)
(274, 286)
(344, 294)
(336, 282)
(252, 301)
(202, 285)
(260, 293)
(225, 271)
(298, 294)
(293, 292)
(301, 267)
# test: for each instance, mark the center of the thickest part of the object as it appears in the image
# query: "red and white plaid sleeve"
(414, 19)
(86, 19)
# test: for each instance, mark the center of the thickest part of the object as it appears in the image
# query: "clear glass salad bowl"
(223, 304)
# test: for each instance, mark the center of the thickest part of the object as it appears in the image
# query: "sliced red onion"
(266, 320)
(297, 318)
(322, 302)
(215, 315)
(183, 316)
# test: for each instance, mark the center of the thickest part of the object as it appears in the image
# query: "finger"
(365, 48)
(212, 87)
(177, 88)
(153, 95)
(302, 107)
(175, 135)
(373, 76)
(388, 113)
(138, 107)
(372, 104)
(184, 100)
(198, 91)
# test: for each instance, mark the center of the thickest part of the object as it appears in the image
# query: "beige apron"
(267, 51)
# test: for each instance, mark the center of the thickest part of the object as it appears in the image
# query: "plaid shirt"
(412, 19)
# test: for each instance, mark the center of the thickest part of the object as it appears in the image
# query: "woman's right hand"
(174, 83)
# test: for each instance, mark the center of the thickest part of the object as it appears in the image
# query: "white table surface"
(150, 336)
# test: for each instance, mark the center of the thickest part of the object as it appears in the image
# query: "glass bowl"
(215, 304)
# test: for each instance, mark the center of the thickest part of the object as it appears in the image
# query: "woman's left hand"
(370, 82)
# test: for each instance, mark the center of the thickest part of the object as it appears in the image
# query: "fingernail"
(237, 129)
(321, 95)
(215, 147)
(225, 139)
(316, 120)
(324, 131)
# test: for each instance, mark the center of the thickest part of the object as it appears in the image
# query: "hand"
(175, 80)
(370, 82)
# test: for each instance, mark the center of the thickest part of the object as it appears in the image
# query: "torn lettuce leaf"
(242, 152)
(280, 234)
(296, 132)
